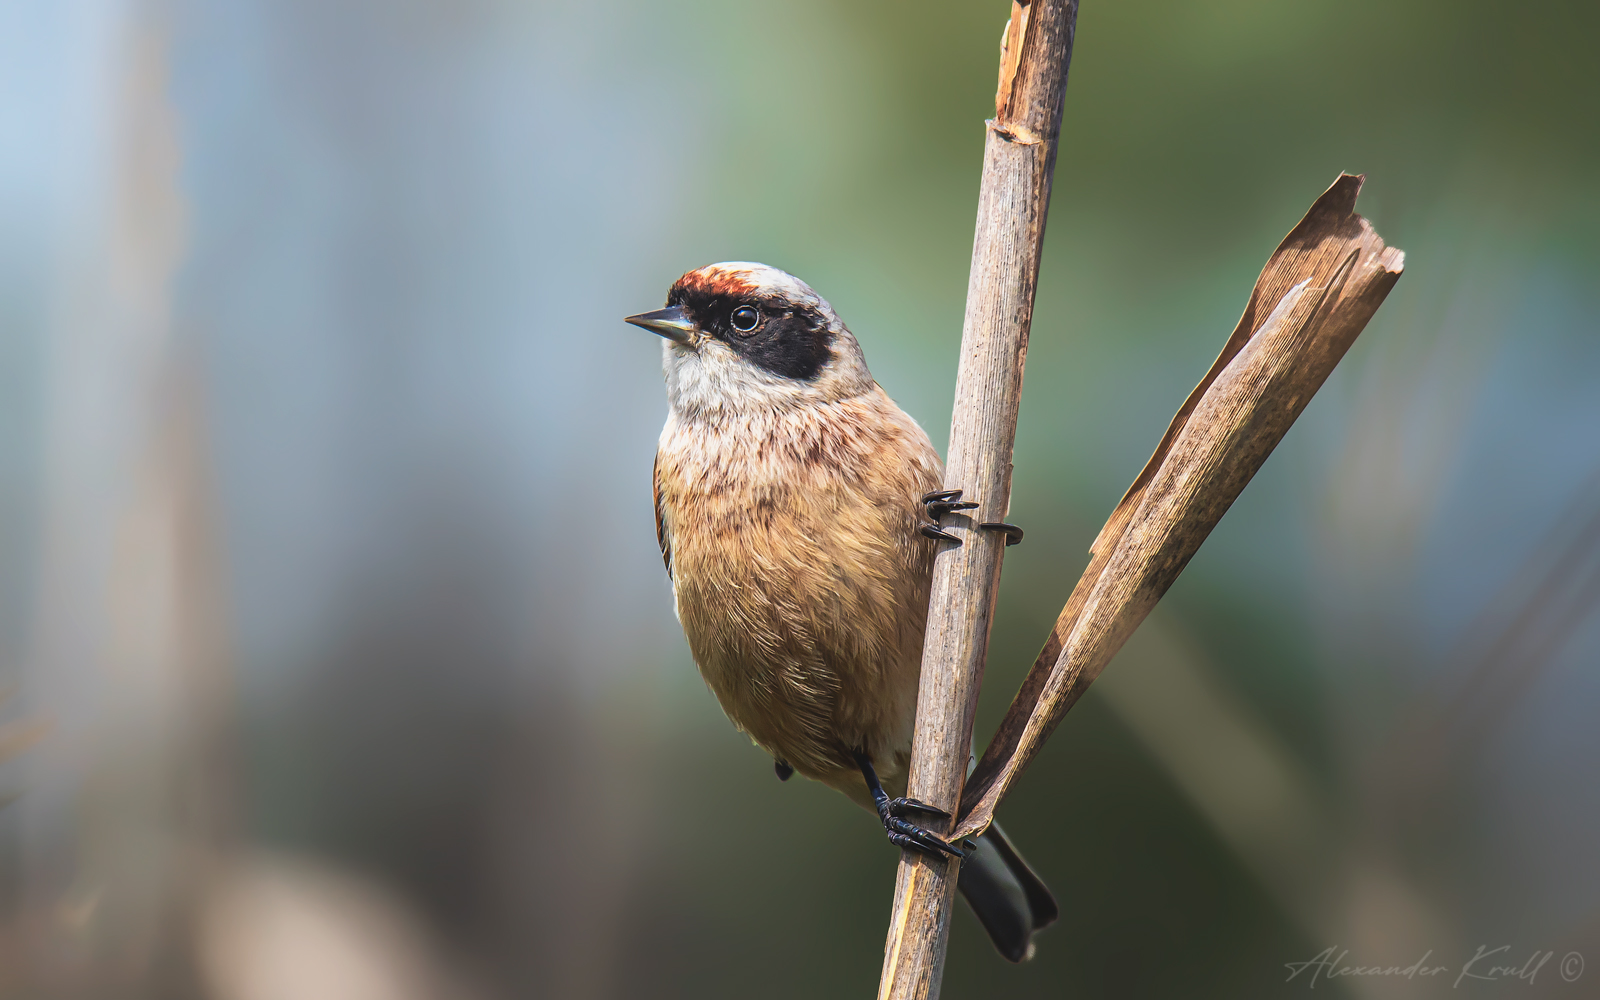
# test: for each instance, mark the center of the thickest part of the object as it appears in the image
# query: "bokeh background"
(337, 658)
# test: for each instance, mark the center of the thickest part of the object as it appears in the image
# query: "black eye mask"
(789, 341)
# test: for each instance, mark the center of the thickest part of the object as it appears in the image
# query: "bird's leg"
(942, 502)
(902, 832)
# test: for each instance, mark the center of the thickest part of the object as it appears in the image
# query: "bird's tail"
(1010, 900)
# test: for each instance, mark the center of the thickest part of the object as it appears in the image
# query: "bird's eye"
(745, 318)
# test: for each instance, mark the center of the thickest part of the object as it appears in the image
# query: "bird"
(798, 512)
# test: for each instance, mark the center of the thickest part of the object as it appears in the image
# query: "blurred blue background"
(336, 655)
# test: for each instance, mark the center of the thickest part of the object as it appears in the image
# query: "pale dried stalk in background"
(125, 812)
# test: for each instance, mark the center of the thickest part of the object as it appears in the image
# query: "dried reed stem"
(1019, 159)
(1315, 295)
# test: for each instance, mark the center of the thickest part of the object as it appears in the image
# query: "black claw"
(903, 834)
(939, 508)
(933, 531)
(909, 843)
(922, 840)
(941, 502)
(785, 772)
(1013, 533)
(899, 807)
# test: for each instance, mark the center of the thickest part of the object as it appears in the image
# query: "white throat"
(710, 381)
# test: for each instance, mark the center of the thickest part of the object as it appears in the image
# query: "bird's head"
(742, 338)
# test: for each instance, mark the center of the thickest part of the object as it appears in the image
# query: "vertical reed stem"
(1019, 159)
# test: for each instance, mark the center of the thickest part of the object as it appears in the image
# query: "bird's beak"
(670, 322)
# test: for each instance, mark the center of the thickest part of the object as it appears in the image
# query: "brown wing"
(662, 537)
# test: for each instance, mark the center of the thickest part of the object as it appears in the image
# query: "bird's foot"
(901, 831)
(899, 807)
(904, 833)
(941, 502)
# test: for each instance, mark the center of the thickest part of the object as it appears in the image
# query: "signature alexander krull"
(1485, 964)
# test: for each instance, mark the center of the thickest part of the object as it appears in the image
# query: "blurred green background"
(325, 526)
